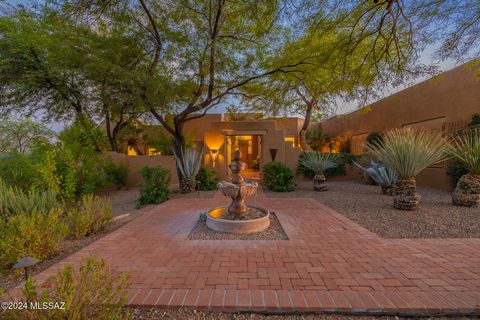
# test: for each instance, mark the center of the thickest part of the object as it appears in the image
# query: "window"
(292, 140)
(153, 152)
(131, 151)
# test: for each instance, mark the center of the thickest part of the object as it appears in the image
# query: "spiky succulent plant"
(318, 162)
(465, 148)
(408, 151)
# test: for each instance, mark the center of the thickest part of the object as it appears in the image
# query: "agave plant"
(188, 163)
(408, 152)
(465, 149)
(318, 162)
(381, 174)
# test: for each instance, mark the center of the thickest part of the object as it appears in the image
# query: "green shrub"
(17, 170)
(15, 201)
(90, 292)
(155, 187)
(475, 123)
(37, 234)
(66, 172)
(117, 175)
(91, 216)
(455, 169)
(206, 179)
(278, 177)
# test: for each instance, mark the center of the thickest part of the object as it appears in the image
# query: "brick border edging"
(400, 303)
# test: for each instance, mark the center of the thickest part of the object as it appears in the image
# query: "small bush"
(117, 175)
(455, 169)
(14, 201)
(91, 292)
(91, 216)
(37, 234)
(278, 177)
(207, 179)
(17, 170)
(155, 187)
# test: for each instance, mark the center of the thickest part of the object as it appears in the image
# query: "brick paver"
(329, 264)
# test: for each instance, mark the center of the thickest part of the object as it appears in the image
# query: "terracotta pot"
(319, 183)
(467, 191)
(405, 196)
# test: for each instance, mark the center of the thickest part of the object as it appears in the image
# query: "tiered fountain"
(238, 217)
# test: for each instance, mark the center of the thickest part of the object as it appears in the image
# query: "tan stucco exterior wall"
(271, 138)
(445, 103)
(136, 163)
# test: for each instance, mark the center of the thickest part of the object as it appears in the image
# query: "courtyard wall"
(444, 103)
(136, 163)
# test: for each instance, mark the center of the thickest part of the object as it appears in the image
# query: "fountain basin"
(255, 220)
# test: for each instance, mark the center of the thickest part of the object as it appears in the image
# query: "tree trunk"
(136, 148)
(467, 191)
(405, 196)
(308, 116)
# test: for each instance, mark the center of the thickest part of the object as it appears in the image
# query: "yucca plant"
(408, 152)
(188, 163)
(465, 149)
(318, 162)
(381, 174)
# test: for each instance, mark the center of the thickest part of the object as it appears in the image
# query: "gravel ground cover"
(367, 206)
(274, 232)
(184, 314)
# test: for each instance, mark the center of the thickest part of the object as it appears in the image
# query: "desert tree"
(200, 53)
(59, 69)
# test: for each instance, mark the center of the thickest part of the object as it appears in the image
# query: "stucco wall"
(272, 138)
(444, 103)
(136, 163)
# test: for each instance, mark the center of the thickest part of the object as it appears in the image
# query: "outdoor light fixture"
(273, 153)
(25, 263)
(213, 155)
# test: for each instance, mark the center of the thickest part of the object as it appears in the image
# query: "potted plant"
(318, 162)
(408, 152)
(465, 149)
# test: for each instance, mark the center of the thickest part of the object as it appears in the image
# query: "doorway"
(249, 146)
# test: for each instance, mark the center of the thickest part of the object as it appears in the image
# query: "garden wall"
(136, 163)
(444, 103)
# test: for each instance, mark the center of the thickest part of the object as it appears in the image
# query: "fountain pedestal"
(238, 217)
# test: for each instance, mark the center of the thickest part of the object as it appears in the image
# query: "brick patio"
(329, 264)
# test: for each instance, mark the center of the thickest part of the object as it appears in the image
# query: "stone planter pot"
(467, 191)
(319, 183)
(405, 196)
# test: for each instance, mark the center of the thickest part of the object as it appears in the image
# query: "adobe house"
(259, 140)
(445, 103)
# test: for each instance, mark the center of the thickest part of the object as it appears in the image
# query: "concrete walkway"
(329, 264)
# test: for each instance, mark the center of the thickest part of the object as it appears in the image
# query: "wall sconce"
(213, 155)
(273, 153)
